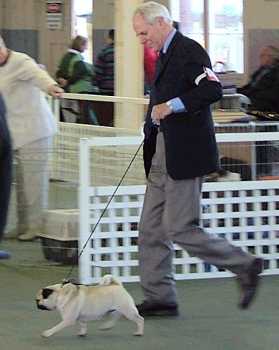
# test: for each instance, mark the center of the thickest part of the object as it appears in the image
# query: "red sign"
(54, 8)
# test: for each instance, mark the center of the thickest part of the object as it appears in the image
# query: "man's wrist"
(169, 104)
(176, 105)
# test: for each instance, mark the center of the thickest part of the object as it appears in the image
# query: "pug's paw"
(46, 333)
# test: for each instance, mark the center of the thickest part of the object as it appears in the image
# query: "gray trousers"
(32, 175)
(171, 213)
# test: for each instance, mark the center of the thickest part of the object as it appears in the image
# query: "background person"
(32, 127)
(150, 57)
(181, 147)
(263, 87)
(104, 67)
(5, 173)
(104, 79)
(75, 76)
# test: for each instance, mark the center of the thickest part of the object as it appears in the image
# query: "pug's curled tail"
(108, 280)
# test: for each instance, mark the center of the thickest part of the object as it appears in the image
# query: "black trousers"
(5, 172)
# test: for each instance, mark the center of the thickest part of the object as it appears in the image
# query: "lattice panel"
(109, 162)
(246, 213)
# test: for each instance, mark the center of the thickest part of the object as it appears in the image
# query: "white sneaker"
(229, 176)
(13, 233)
(27, 236)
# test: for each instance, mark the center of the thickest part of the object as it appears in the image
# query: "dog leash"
(67, 279)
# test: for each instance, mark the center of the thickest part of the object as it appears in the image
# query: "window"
(217, 26)
(82, 14)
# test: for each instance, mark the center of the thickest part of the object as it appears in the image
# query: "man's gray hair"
(2, 42)
(151, 10)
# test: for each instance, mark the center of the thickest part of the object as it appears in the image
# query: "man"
(5, 173)
(263, 87)
(179, 149)
(32, 127)
(104, 80)
(104, 67)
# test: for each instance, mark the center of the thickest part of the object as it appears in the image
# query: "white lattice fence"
(246, 213)
(65, 151)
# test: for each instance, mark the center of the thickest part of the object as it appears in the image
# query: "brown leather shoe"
(148, 308)
(249, 282)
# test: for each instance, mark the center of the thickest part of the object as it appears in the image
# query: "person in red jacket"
(150, 59)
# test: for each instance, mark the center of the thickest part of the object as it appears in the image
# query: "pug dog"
(81, 303)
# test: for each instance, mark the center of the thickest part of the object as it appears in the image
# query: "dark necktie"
(162, 56)
(160, 61)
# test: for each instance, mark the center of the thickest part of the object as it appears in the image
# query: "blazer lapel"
(163, 61)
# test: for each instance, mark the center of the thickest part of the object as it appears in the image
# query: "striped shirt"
(104, 70)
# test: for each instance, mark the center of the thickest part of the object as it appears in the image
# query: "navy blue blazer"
(191, 149)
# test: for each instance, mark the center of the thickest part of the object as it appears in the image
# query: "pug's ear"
(68, 288)
(46, 292)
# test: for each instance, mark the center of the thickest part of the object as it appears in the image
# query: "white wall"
(261, 14)
(261, 24)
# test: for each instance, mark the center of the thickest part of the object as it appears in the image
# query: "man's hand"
(55, 90)
(159, 112)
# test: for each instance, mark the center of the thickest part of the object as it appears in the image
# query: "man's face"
(150, 35)
(266, 58)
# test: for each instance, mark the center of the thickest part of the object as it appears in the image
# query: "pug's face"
(46, 298)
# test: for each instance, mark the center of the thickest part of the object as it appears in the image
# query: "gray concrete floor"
(209, 317)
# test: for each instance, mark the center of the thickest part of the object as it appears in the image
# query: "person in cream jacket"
(32, 127)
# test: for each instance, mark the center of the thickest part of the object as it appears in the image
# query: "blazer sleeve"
(205, 85)
(206, 88)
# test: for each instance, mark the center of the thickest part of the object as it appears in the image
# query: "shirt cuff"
(177, 105)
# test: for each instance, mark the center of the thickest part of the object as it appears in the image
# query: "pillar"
(129, 78)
